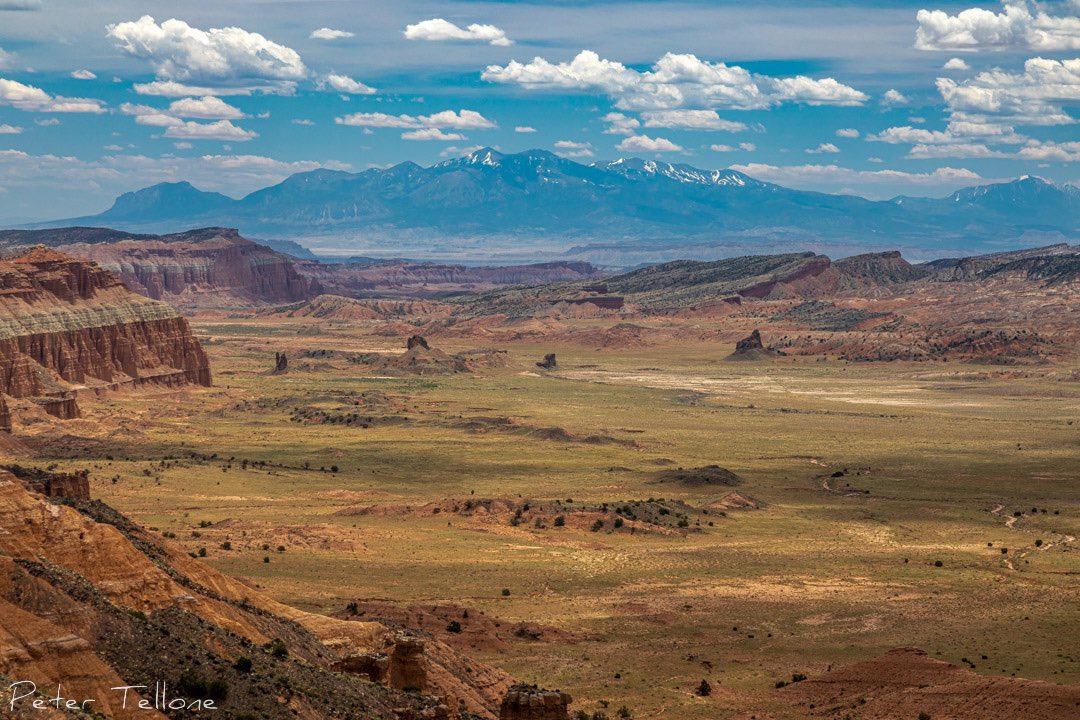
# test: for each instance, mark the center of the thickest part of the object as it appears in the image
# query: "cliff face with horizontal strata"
(200, 268)
(67, 325)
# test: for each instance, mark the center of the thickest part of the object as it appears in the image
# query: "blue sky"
(872, 98)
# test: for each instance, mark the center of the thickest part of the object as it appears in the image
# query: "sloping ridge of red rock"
(908, 683)
(89, 598)
(67, 325)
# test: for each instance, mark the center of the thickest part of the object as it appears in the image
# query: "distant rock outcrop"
(548, 363)
(700, 476)
(72, 486)
(281, 364)
(66, 325)
(529, 702)
(408, 668)
(417, 341)
(885, 268)
(752, 348)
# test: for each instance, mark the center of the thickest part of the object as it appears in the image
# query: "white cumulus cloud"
(205, 108)
(823, 148)
(33, 99)
(644, 143)
(431, 133)
(345, 84)
(171, 88)
(6, 129)
(438, 29)
(675, 81)
(745, 147)
(955, 64)
(1022, 24)
(219, 57)
(460, 120)
(454, 151)
(173, 119)
(524, 129)
(690, 120)
(619, 124)
(1034, 97)
(893, 98)
(83, 75)
(325, 33)
(574, 149)
(219, 130)
(847, 133)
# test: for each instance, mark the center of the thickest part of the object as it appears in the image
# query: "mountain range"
(535, 205)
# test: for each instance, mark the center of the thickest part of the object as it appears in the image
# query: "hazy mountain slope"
(541, 202)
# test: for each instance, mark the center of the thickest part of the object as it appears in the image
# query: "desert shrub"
(217, 689)
(243, 664)
(560, 520)
(277, 648)
(192, 684)
(704, 689)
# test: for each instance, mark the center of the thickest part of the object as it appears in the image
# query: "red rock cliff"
(67, 325)
(213, 267)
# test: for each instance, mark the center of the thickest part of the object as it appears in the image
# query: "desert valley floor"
(567, 525)
(764, 487)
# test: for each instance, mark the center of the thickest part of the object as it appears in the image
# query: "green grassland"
(931, 461)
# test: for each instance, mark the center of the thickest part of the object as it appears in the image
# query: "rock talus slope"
(92, 600)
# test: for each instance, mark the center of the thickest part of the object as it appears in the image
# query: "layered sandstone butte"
(94, 601)
(198, 268)
(528, 702)
(67, 325)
